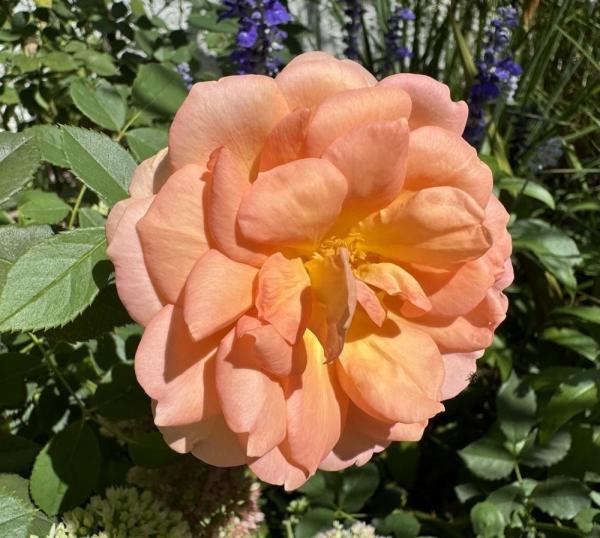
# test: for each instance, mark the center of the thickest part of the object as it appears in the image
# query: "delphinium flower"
(546, 155)
(259, 36)
(498, 74)
(354, 11)
(357, 530)
(123, 513)
(394, 48)
(215, 502)
(184, 72)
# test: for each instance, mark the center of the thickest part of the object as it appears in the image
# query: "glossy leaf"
(102, 104)
(19, 159)
(561, 496)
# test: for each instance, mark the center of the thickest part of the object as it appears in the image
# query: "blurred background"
(517, 454)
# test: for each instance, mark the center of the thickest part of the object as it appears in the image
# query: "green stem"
(123, 130)
(555, 529)
(76, 207)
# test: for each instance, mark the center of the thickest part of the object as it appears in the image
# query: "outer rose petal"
(172, 231)
(135, 288)
(285, 204)
(247, 397)
(437, 157)
(308, 80)
(393, 374)
(458, 367)
(114, 217)
(176, 371)
(316, 407)
(344, 111)
(373, 159)
(284, 143)
(432, 104)
(217, 293)
(280, 295)
(334, 291)
(275, 468)
(230, 181)
(224, 113)
(151, 174)
(439, 227)
(221, 448)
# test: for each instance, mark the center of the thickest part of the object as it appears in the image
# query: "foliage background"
(88, 89)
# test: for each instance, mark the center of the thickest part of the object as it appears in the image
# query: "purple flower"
(259, 36)
(353, 11)
(497, 73)
(394, 48)
(184, 72)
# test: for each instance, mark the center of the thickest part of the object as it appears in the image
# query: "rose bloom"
(318, 261)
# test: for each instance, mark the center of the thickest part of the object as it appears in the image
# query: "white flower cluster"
(122, 513)
(358, 530)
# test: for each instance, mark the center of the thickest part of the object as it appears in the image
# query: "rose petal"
(280, 296)
(151, 174)
(135, 288)
(373, 159)
(308, 80)
(247, 396)
(285, 204)
(172, 232)
(437, 157)
(275, 468)
(459, 368)
(345, 111)
(176, 371)
(431, 102)
(393, 374)
(221, 448)
(367, 298)
(439, 227)
(218, 291)
(224, 113)
(284, 143)
(334, 289)
(316, 407)
(230, 181)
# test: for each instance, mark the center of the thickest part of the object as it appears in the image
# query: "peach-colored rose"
(318, 262)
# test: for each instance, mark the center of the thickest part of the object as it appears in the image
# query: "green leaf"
(18, 517)
(150, 450)
(16, 512)
(576, 394)
(516, 403)
(583, 458)
(54, 281)
(145, 142)
(517, 186)
(561, 496)
(66, 470)
(40, 207)
(14, 241)
(574, 340)
(15, 369)
(507, 499)
(19, 159)
(212, 24)
(488, 459)
(314, 521)
(586, 519)
(90, 218)
(590, 314)
(553, 248)
(159, 89)
(103, 165)
(119, 396)
(59, 62)
(487, 520)
(318, 489)
(49, 142)
(550, 453)
(358, 484)
(464, 51)
(101, 104)
(103, 315)
(97, 62)
(400, 525)
(16, 453)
